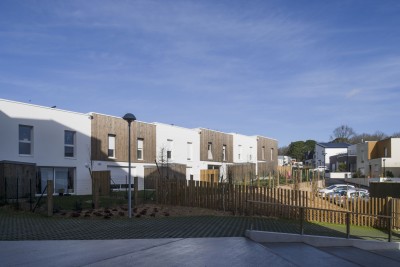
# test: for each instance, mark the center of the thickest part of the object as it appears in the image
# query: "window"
(169, 148)
(224, 153)
(189, 151)
(209, 150)
(263, 152)
(111, 146)
(272, 154)
(251, 154)
(63, 179)
(69, 144)
(386, 153)
(25, 139)
(240, 151)
(140, 148)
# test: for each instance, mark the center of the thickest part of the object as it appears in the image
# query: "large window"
(63, 179)
(111, 146)
(139, 153)
(69, 144)
(25, 140)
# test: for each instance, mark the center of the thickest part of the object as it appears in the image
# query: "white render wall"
(319, 154)
(49, 125)
(120, 171)
(180, 138)
(246, 142)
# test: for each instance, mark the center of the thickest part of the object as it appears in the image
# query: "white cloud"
(352, 93)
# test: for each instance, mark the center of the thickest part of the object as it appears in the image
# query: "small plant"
(78, 205)
(389, 174)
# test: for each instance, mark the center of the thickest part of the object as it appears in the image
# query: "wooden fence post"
(389, 213)
(50, 202)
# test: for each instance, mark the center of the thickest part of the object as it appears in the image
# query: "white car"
(325, 191)
(321, 169)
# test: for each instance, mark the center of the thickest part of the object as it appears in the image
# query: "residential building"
(178, 145)
(56, 142)
(68, 147)
(109, 149)
(323, 152)
(284, 160)
(375, 158)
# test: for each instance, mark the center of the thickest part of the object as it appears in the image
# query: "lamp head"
(129, 117)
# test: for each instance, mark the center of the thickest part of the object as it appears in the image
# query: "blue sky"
(288, 69)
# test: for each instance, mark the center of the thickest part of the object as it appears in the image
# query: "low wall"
(339, 175)
(366, 181)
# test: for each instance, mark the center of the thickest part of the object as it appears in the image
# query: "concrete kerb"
(319, 241)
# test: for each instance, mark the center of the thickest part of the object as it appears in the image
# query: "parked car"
(330, 189)
(342, 195)
(358, 193)
(321, 169)
(337, 196)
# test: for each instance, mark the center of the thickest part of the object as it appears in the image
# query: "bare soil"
(142, 211)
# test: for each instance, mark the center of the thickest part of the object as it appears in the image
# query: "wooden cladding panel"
(218, 140)
(379, 149)
(103, 126)
(210, 176)
(268, 144)
(244, 172)
(267, 164)
(10, 173)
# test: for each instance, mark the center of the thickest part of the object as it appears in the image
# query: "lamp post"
(129, 117)
(384, 168)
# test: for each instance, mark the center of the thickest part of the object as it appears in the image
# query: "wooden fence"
(259, 201)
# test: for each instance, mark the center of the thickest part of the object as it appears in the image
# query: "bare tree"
(377, 136)
(342, 133)
(396, 135)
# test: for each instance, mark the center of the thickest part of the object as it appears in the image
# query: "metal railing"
(302, 210)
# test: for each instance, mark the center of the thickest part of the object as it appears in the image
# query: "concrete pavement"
(223, 251)
(233, 251)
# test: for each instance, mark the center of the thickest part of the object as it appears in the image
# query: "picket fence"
(277, 202)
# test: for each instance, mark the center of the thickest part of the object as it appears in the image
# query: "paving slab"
(301, 254)
(236, 251)
(363, 257)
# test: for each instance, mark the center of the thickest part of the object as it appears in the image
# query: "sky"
(289, 69)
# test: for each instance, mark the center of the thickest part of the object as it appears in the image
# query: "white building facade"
(57, 141)
(179, 145)
(323, 151)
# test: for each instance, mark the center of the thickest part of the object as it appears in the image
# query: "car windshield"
(331, 187)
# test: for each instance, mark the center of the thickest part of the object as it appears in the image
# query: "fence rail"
(249, 200)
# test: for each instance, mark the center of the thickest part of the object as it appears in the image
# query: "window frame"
(209, 151)
(140, 149)
(110, 148)
(170, 144)
(73, 146)
(25, 141)
(189, 152)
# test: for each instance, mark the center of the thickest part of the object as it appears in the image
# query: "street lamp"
(129, 117)
(384, 168)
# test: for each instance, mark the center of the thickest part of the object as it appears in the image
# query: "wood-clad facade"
(267, 155)
(242, 172)
(104, 126)
(213, 146)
